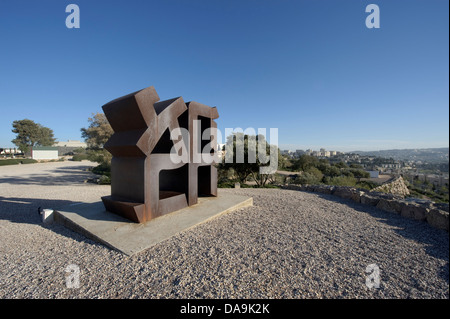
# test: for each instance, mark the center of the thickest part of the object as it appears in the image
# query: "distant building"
(374, 174)
(299, 152)
(71, 143)
(437, 180)
(220, 150)
(44, 152)
(391, 165)
(322, 153)
(67, 147)
(10, 151)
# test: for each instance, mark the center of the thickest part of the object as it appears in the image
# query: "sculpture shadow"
(26, 211)
(436, 241)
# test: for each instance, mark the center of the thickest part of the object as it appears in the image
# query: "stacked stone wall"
(435, 214)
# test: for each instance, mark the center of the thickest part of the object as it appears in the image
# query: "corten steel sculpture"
(145, 182)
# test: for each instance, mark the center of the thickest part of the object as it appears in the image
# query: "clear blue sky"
(312, 69)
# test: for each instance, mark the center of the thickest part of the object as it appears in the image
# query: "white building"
(220, 150)
(44, 153)
(9, 151)
(374, 174)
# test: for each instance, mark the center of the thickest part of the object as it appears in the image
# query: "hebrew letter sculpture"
(145, 182)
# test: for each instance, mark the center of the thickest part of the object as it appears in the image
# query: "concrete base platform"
(93, 221)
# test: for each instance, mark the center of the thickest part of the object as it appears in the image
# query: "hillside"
(429, 155)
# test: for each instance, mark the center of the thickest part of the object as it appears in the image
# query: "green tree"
(262, 179)
(360, 173)
(314, 171)
(283, 161)
(311, 176)
(31, 134)
(96, 135)
(341, 164)
(98, 132)
(245, 166)
(304, 162)
(329, 170)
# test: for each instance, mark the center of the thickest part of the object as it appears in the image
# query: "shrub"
(79, 150)
(341, 181)
(347, 173)
(100, 156)
(225, 184)
(102, 169)
(79, 157)
(314, 171)
(359, 173)
(366, 184)
(104, 180)
(307, 178)
(14, 161)
(331, 171)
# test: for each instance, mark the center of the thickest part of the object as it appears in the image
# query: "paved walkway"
(50, 173)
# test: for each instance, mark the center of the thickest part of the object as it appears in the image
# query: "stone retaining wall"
(435, 214)
(395, 185)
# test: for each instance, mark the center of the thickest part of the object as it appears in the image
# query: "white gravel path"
(290, 244)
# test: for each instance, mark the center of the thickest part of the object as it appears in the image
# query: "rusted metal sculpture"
(145, 181)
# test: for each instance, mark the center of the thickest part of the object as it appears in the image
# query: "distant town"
(427, 165)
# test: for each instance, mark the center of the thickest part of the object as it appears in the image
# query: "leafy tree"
(262, 179)
(96, 135)
(304, 162)
(306, 178)
(341, 164)
(311, 175)
(283, 161)
(329, 170)
(314, 171)
(347, 172)
(242, 165)
(245, 168)
(31, 134)
(360, 173)
(98, 132)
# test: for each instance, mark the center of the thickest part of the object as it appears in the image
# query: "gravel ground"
(290, 244)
